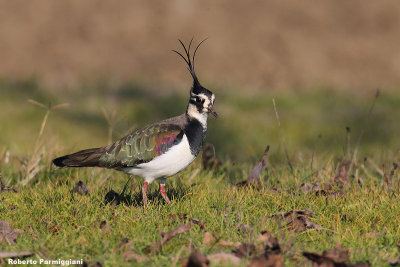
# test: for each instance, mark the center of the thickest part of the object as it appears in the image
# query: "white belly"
(174, 160)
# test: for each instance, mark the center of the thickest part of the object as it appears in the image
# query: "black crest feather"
(190, 59)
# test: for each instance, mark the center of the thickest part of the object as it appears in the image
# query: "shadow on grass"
(154, 196)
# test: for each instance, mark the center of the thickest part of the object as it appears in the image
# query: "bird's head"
(201, 101)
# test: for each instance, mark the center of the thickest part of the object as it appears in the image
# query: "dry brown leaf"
(341, 178)
(198, 222)
(7, 233)
(3, 187)
(297, 220)
(254, 177)
(224, 258)
(272, 245)
(267, 260)
(156, 246)
(184, 217)
(208, 238)
(271, 255)
(394, 262)
(307, 187)
(336, 256)
(15, 254)
(80, 188)
(182, 228)
(244, 250)
(196, 259)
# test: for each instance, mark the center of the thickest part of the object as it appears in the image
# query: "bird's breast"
(171, 162)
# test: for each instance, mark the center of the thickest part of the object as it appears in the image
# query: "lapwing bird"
(161, 149)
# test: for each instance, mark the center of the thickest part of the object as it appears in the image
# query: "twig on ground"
(282, 136)
(368, 115)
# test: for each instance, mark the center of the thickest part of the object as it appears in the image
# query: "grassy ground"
(362, 214)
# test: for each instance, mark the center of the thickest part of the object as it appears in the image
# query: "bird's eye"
(198, 99)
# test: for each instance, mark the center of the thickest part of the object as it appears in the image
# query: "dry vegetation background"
(351, 45)
(331, 176)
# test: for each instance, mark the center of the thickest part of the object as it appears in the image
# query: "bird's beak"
(213, 112)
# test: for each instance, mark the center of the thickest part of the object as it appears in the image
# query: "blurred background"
(321, 60)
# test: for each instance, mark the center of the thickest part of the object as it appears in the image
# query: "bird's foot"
(163, 194)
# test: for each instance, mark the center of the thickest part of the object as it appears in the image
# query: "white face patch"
(205, 103)
(194, 113)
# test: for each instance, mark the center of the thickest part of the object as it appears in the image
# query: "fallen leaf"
(196, 259)
(319, 190)
(244, 250)
(224, 258)
(182, 228)
(271, 255)
(129, 255)
(198, 222)
(297, 220)
(156, 246)
(341, 178)
(208, 238)
(254, 177)
(184, 217)
(336, 256)
(307, 187)
(272, 245)
(80, 188)
(3, 187)
(267, 260)
(393, 262)
(15, 254)
(208, 158)
(7, 233)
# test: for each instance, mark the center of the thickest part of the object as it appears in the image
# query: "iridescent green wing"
(141, 146)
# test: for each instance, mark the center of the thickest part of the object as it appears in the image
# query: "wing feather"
(141, 146)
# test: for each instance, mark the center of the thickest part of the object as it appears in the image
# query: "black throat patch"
(196, 134)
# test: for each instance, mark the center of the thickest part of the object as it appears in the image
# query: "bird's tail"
(84, 158)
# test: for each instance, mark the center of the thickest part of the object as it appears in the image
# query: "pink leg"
(144, 192)
(162, 191)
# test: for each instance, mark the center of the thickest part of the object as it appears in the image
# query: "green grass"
(61, 224)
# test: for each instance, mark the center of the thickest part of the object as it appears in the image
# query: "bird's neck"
(195, 130)
(194, 114)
